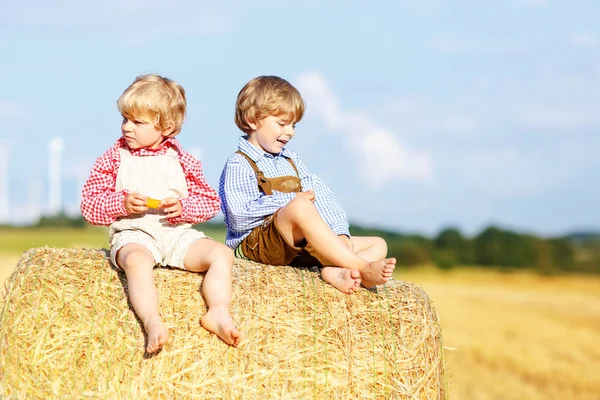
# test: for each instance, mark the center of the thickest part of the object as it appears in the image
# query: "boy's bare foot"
(344, 280)
(157, 334)
(378, 272)
(218, 320)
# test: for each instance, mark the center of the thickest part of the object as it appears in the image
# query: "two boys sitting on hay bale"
(276, 212)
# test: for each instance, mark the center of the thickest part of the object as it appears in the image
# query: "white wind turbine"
(4, 188)
(55, 148)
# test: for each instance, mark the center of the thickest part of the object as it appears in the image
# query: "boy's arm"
(244, 206)
(100, 204)
(202, 202)
(326, 201)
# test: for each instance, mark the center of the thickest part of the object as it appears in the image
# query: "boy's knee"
(380, 242)
(223, 252)
(134, 257)
(298, 206)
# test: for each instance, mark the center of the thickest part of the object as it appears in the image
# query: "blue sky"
(420, 114)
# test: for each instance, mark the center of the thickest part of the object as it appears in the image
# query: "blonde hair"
(265, 96)
(157, 100)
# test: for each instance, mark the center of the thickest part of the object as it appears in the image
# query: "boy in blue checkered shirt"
(276, 212)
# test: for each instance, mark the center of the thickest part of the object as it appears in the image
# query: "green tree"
(496, 247)
(61, 220)
(452, 248)
(563, 254)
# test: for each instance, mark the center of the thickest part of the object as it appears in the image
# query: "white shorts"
(168, 246)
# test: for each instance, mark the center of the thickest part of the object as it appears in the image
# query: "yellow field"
(517, 336)
(508, 336)
(8, 261)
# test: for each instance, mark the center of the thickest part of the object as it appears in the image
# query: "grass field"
(508, 335)
(23, 239)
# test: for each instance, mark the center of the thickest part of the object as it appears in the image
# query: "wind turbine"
(4, 196)
(55, 148)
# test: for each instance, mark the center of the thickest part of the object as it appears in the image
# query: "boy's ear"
(167, 132)
(252, 125)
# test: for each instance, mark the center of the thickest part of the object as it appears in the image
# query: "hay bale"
(67, 331)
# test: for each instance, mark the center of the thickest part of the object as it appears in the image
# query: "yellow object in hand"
(152, 203)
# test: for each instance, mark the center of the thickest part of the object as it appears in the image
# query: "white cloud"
(447, 44)
(426, 7)
(319, 96)
(509, 171)
(549, 101)
(548, 116)
(11, 111)
(420, 117)
(197, 152)
(457, 45)
(507, 137)
(382, 158)
(532, 3)
(458, 124)
(131, 19)
(583, 39)
(557, 99)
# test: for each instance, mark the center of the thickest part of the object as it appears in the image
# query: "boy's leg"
(138, 263)
(299, 220)
(372, 248)
(369, 248)
(216, 259)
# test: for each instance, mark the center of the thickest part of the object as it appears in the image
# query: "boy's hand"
(310, 195)
(135, 203)
(347, 242)
(172, 207)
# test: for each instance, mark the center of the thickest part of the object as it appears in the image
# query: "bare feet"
(157, 334)
(218, 320)
(378, 272)
(344, 280)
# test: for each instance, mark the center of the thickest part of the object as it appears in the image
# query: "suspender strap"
(294, 166)
(263, 183)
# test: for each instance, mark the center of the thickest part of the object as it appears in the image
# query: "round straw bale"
(68, 331)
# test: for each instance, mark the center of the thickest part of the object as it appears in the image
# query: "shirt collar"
(169, 143)
(256, 154)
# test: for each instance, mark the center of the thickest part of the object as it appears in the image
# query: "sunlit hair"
(154, 99)
(265, 96)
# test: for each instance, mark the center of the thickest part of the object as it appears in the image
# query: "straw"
(67, 331)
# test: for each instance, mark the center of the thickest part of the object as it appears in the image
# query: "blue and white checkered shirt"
(246, 207)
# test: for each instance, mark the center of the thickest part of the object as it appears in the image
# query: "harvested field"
(517, 335)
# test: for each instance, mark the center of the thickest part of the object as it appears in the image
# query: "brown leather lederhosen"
(265, 243)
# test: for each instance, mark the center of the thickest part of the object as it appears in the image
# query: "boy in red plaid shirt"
(150, 192)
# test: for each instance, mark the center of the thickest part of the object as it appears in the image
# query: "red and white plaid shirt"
(101, 205)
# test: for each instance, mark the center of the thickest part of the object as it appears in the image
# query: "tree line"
(493, 247)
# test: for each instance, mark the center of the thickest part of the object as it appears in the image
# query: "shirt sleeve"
(243, 204)
(100, 204)
(326, 201)
(203, 201)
